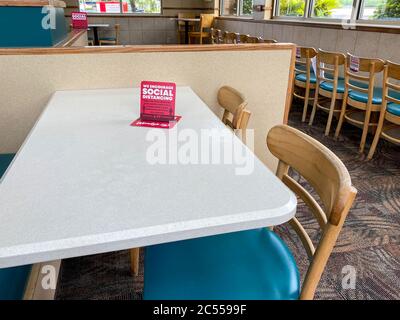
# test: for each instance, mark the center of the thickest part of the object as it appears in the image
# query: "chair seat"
(254, 264)
(12, 280)
(363, 97)
(328, 86)
(303, 77)
(393, 108)
(108, 39)
(5, 160)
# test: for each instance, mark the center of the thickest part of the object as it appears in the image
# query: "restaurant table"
(95, 26)
(187, 21)
(82, 183)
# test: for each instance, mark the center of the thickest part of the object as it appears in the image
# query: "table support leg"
(95, 36)
(186, 32)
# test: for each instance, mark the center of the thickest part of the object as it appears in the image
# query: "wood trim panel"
(315, 24)
(32, 3)
(289, 95)
(71, 38)
(149, 48)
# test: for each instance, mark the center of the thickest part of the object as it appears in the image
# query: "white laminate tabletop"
(81, 183)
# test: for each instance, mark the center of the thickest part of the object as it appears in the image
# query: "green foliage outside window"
(388, 9)
(247, 6)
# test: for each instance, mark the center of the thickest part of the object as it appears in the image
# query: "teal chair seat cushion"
(377, 97)
(363, 97)
(108, 39)
(328, 86)
(254, 264)
(13, 282)
(303, 77)
(393, 108)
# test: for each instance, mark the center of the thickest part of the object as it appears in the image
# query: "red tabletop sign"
(79, 20)
(157, 101)
(157, 105)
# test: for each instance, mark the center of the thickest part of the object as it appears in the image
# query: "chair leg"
(365, 131)
(330, 117)
(307, 95)
(314, 109)
(135, 261)
(342, 113)
(377, 135)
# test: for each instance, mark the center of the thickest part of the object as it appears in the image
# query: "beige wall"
(370, 44)
(23, 97)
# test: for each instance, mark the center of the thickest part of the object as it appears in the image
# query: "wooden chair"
(326, 173)
(361, 95)
(270, 41)
(235, 114)
(389, 120)
(329, 85)
(230, 37)
(181, 24)
(243, 38)
(269, 270)
(254, 40)
(216, 36)
(206, 22)
(304, 76)
(111, 40)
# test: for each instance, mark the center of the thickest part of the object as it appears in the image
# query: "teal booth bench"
(12, 280)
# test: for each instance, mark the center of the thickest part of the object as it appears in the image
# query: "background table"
(187, 21)
(81, 183)
(95, 26)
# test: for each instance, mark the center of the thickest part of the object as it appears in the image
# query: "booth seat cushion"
(5, 160)
(393, 108)
(12, 280)
(254, 264)
(303, 77)
(108, 39)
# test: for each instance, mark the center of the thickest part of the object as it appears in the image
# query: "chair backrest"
(328, 67)
(206, 21)
(391, 79)
(243, 38)
(270, 41)
(117, 33)
(234, 104)
(230, 37)
(216, 36)
(186, 15)
(324, 171)
(362, 83)
(304, 56)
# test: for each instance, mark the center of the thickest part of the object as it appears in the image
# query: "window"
(334, 9)
(292, 8)
(381, 10)
(236, 7)
(120, 6)
(376, 10)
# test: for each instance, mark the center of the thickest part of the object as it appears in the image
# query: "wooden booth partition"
(261, 72)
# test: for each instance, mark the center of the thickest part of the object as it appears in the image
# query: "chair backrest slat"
(234, 104)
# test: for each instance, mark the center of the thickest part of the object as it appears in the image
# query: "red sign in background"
(79, 20)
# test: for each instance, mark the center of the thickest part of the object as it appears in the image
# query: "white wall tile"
(367, 44)
(328, 39)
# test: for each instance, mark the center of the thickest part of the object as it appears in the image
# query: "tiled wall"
(363, 43)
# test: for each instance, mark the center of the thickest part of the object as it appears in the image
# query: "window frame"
(356, 15)
(124, 13)
(239, 10)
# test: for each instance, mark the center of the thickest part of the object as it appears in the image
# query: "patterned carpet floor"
(369, 242)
